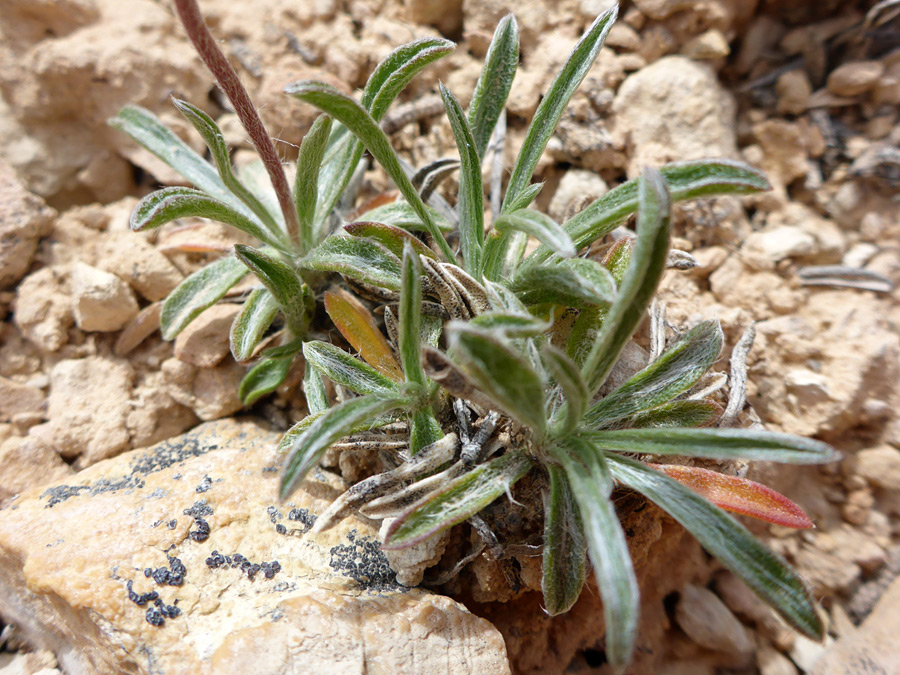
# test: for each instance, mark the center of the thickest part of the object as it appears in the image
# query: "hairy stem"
(203, 41)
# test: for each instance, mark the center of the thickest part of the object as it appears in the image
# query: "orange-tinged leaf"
(358, 327)
(739, 495)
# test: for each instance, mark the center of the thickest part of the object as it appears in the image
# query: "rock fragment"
(708, 622)
(102, 301)
(24, 218)
(854, 78)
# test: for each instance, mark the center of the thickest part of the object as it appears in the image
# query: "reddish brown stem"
(203, 41)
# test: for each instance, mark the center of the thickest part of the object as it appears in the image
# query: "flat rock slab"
(179, 559)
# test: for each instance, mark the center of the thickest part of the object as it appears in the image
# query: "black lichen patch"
(363, 561)
(200, 509)
(155, 617)
(142, 598)
(201, 533)
(236, 561)
(173, 575)
(159, 457)
(205, 484)
(303, 517)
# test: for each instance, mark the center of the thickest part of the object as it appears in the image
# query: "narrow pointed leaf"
(424, 429)
(460, 499)
(739, 495)
(721, 444)
(565, 547)
(215, 141)
(199, 291)
(471, 190)
(567, 375)
(685, 180)
(282, 282)
(729, 541)
(608, 551)
(145, 128)
(352, 115)
(392, 238)
(673, 373)
(409, 337)
(308, 446)
(400, 214)
(254, 319)
(264, 378)
(648, 261)
(494, 83)
(555, 102)
(512, 325)
(540, 226)
(500, 372)
(172, 203)
(315, 392)
(360, 259)
(306, 181)
(573, 283)
(348, 371)
(683, 413)
(357, 325)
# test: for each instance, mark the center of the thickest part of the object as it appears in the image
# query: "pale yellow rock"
(204, 342)
(138, 262)
(854, 78)
(68, 551)
(102, 301)
(24, 218)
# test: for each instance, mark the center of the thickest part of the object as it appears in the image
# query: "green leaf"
(198, 292)
(400, 214)
(577, 282)
(685, 180)
(352, 115)
(361, 259)
(512, 325)
(307, 445)
(145, 128)
(648, 261)
(539, 226)
(729, 541)
(524, 198)
(567, 375)
(673, 373)
(348, 371)
(424, 429)
(314, 389)
(591, 485)
(500, 372)
(409, 336)
(565, 547)
(392, 238)
(215, 141)
(172, 203)
(386, 82)
(471, 190)
(306, 181)
(683, 413)
(283, 283)
(254, 319)
(721, 444)
(494, 83)
(555, 102)
(459, 500)
(264, 378)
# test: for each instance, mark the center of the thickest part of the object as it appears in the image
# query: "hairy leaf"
(409, 339)
(722, 444)
(392, 238)
(348, 371)
(683, 413)
(254, 319)
(307, 445)
(648, 261)
(565, 547)
(512, 325)
(460, 499)
(739, 495)
(309, 161)
(729, 541)
(357, 325)
(360, 259)
(555, 102)
(424, 429)
(673, 373)
(539, 226)
(400, 214)
(494, 83)
(199, 291)
(283, 283)
(567, 375)
(471, 190)
(264, 378)
(574, 283)
(314, 389)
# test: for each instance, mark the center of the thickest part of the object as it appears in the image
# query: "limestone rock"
(793, 89)
(160, 523)
(857, 77)
(24, 218)
(773, 662)
(674, 109)
(102, 301)
(134, 259)
(880, 466)
(577, 189)
(781, 242)
(210, 392)
(708, 622)
(43, 309)
(26, 462)
(204, 342)
(17, 399)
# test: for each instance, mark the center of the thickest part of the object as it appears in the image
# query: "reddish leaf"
(358, 327)
(739, 495)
